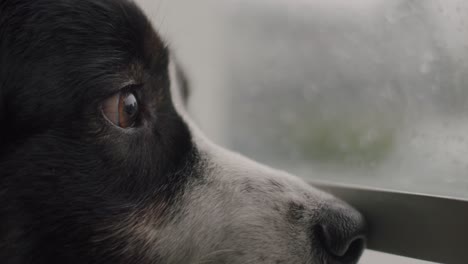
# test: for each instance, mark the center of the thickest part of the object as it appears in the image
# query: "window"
(367, 98)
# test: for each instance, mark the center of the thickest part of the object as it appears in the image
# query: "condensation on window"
(365, 92)
(369, 92)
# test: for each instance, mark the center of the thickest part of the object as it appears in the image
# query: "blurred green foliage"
(343, 140)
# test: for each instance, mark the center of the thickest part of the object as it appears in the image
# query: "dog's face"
(99, 163)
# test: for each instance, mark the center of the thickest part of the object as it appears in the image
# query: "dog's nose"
(341, 233)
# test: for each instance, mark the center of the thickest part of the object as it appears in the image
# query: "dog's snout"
(341, 233)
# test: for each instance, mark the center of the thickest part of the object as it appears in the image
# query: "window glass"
(369, 92)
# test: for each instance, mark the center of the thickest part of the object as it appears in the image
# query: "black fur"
(66, 173)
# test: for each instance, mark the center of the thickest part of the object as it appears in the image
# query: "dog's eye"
(121, 109)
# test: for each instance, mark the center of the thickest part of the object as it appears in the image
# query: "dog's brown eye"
(121, 109)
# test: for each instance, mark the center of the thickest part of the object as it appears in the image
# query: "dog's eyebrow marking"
(128, 83)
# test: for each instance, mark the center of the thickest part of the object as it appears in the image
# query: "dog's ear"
(182, 80)
(183, 83)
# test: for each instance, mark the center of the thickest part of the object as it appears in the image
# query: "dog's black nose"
(341, 233)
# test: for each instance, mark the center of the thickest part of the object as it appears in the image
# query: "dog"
(100, 162)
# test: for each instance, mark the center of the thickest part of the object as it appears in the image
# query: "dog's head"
(99, 162)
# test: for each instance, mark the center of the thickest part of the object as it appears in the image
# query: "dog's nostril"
(343, 250)
(341, 234)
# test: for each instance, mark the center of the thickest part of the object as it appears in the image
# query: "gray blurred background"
(368, 92)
